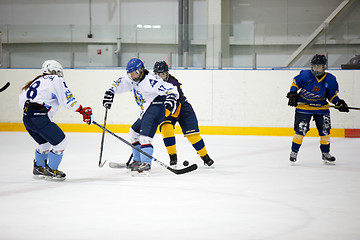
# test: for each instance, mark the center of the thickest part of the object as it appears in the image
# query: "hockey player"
(309, 93)
(185, 115)
(40, 99)
(151, 94)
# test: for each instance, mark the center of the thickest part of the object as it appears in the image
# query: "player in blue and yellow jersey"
(185, 115)
(309, 93)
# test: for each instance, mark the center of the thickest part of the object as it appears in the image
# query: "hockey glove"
(108, 99)
(293, 99)
(342, 106)
(86, 112)
(170, 104)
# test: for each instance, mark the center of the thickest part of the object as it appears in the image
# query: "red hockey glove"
(86, 112)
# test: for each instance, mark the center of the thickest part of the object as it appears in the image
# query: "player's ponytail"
(27, 85)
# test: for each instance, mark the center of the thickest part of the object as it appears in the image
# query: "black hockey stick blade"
(5, 87)
(101, 164)
(184, 170)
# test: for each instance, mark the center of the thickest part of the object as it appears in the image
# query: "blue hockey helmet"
(135, 65)
(161, 67)
(321, 60)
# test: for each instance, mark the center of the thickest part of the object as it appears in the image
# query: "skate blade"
(38, 177)
(139, 174)
(326, 162)
(49, 178)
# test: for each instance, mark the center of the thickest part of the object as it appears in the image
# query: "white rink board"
(245, 98)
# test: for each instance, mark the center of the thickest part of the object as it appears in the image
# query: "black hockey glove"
(108, 99)
(170, 104)
(293, 98)
(342, 106)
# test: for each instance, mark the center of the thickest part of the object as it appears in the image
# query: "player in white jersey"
(151, 94)
(39, 100)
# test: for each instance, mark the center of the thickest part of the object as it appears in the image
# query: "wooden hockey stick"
(176, 171)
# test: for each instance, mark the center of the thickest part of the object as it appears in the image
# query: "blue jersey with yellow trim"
(315, 92)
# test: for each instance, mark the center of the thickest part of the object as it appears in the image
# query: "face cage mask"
(138, 78)
(318, 73)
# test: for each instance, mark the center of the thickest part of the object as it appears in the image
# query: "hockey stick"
(353, 108)
(333, 106)
(176, 171)
(101, 164)
(5, 87)
(121, 165)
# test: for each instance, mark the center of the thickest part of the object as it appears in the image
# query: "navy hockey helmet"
(161, 67)
(321, 60)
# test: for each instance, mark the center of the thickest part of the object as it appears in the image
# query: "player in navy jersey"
(309, 93)
(185, 115)
(39, 100)
(151, 93)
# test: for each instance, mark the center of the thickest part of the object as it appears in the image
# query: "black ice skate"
(207, 160)
(38, 171)
(51, 174)
(173, 160)
(293, 156)
(141, 170)
(132, 166)
(144, 167)
(328, 158)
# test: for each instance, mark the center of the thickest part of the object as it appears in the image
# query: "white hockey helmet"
(52, 67)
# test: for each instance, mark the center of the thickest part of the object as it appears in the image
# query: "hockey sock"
(40, 158)
(136, 153)
(325, 143)
(149, 149)
(54, 160)
(296, 142)
(198, 144)
(167, 131)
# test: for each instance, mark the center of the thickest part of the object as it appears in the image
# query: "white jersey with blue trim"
(144, 91)
(50, 91)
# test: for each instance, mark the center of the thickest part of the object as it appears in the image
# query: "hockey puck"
(185, 163)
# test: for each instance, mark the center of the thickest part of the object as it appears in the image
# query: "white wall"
(245, 98)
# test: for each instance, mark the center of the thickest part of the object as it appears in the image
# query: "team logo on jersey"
(139, 99)
(316, 89)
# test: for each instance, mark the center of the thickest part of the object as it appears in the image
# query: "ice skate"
(293, 156)
(143, 169)
(173, 160)
(207, 160)
(38, 171)
(328, 158)
(133, 165)
(51, 174)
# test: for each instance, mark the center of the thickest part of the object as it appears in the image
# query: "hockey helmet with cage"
(52, 67)
(161, 67)
(318, 59)
(135, 65)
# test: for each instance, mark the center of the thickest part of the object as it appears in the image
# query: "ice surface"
(252, 192)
